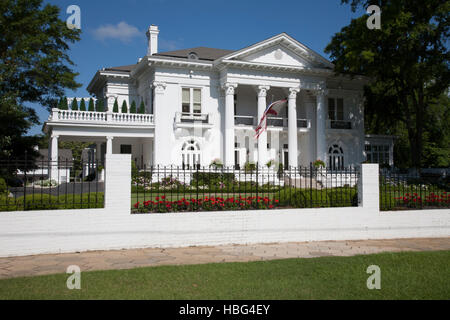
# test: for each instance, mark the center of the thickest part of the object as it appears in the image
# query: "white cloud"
(122, 31)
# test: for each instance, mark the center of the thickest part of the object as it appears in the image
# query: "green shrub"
(142, 107)
(124, 107)
(3, 186)
(74, 105)
(212, 179)
(48, 202)
(116, 106)
(91, 105)
(249, 167)
(133, 107)
(82, 105)
(100, 107)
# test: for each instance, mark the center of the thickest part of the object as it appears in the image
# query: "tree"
(142, 107)
(63, 104)
(406, 59)
(82, 105)
(116, 106)
(133, 107)
(91, 105)
(34, 67)
(124, 107)
(74, 105)
(100, 107)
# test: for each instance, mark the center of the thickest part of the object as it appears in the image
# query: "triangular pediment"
(277, 54)
(280, 50)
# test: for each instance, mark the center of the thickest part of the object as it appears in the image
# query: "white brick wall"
(33, 232)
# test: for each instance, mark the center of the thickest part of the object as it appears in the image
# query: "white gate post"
(118, 183)
(369, 187)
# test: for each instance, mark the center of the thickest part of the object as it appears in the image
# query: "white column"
(262, 140)
(229, 124)
(321, 147)
(98, 151)
(161, 153)
(292, 127)
(53, 170)
(109, 145)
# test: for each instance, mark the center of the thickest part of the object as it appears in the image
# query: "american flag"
(271, 109)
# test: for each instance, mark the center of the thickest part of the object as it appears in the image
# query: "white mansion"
(203, 104)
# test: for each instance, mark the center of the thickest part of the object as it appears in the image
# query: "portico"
(242, 119)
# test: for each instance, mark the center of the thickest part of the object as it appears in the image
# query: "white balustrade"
(101, 117)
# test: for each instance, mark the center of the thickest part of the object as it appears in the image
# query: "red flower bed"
(433, 199)
(160, 204)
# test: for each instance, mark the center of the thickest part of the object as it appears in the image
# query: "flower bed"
(413, 200)
(161, 205)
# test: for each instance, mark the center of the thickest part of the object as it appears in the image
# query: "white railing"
(182, 117)
(101, 117)
(340, 124)
(271, 121)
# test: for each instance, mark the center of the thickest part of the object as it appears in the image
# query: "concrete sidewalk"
(126, 259)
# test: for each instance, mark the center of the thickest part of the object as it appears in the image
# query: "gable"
(279, 55)
(280, 50)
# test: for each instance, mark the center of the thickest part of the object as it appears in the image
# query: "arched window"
(190, 153)
(335, 157)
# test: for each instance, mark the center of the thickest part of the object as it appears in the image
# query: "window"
(191, 100)
(335, 157)
(190, 153)
(377, 153)
(125, 148)
(336, 109)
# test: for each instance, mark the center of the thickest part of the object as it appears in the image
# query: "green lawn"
(417, 275)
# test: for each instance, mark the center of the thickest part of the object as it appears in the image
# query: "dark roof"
(122, 68)
(203, 53)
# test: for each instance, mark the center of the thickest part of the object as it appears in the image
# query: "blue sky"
(113, 32)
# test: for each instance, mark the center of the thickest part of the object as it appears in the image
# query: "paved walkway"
(127, 259)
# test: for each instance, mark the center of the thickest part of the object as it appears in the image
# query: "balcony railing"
(58, 115)
(339, 124)
(271, 121)
(244, 120)
(183, 119)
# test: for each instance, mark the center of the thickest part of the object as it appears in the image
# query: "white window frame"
(191, 99)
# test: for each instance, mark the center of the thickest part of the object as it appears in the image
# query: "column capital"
(229, 88)
(55, 136)
(320, 92)
(159, 86)
(293, 92)
(262, 91)
(109, 138)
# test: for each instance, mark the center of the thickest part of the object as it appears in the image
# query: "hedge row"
(49, 202)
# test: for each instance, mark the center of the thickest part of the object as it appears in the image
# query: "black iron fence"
(413, 189)
(183, 188)
(43, 184)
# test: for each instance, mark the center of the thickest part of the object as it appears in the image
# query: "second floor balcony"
(340, 124)
(274, 122)
(184, 119)
(96, 117)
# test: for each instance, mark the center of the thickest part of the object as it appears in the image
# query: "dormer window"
(192, 56)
